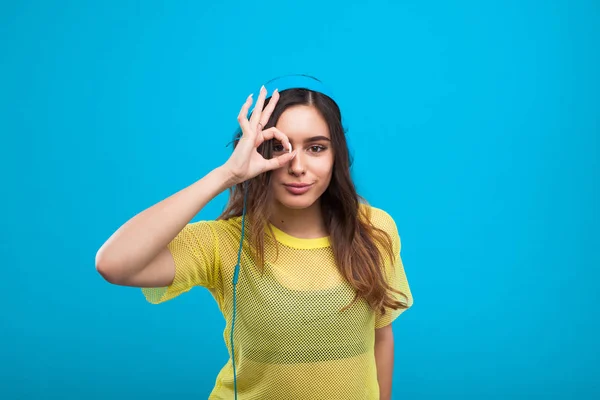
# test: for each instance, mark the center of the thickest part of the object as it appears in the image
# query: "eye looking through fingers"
(278, 147)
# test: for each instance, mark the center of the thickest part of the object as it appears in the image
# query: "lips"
(297, 188)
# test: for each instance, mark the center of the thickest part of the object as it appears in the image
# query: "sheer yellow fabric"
(291, 341)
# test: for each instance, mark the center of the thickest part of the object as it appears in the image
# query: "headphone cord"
(235, 280)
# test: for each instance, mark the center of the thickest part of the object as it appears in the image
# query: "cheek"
(276, 176)
(325, 168)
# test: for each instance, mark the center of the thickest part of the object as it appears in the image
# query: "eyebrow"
(311, 139)
(315, 138)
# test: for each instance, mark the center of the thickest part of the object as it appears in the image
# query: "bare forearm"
(384, 359)
(140, 239)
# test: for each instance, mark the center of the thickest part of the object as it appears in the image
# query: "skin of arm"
(135, 244)
(384, 359)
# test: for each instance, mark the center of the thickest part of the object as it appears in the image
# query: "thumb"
(280, 161)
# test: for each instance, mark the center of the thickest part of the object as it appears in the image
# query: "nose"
(296, 165)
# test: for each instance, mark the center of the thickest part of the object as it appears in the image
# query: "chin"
(295, 202)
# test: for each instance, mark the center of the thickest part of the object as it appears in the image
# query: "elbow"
(106, 273)
(106, 270)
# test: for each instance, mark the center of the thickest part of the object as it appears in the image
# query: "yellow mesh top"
(290, 339)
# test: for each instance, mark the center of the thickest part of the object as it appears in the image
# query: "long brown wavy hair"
(352, 236)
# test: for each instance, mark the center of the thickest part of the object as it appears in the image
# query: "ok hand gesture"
(246, 162)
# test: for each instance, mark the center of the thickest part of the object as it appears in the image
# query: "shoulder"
(379, 218)
(215, 227)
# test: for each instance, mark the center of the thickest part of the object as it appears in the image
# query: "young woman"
(307, 275)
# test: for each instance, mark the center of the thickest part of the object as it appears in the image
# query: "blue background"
(474, 124)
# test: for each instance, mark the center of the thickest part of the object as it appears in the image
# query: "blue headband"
(296, 82)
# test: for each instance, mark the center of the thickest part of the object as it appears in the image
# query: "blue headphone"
(281, 83)
(296, 82)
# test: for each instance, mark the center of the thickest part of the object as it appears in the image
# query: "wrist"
(226, 176)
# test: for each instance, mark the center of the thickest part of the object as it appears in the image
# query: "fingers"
(266, 114)
(273, 133)
(256, 113)
(243, 116)
(280, 161)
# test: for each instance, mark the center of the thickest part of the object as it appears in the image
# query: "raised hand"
(246, 162)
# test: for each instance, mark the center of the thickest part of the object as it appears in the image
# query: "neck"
(305, 223)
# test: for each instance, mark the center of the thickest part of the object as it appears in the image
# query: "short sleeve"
(396, 277)
(197, 263)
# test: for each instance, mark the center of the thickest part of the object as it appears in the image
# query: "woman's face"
(313, 164)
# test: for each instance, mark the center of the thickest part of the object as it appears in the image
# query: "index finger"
(243, 116)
